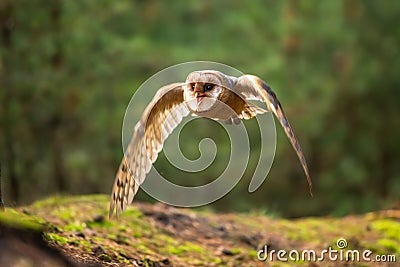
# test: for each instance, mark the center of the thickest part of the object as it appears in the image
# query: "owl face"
(202, 90)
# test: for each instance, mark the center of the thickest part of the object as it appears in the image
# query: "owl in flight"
(207, 93)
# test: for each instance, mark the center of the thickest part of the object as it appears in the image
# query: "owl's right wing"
(161, 116)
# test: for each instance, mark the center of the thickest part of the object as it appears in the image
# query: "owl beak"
(199, 97)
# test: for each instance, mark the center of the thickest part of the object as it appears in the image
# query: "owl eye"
(192, 86)
(208, 87)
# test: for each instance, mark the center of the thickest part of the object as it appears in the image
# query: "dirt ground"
(160, 235)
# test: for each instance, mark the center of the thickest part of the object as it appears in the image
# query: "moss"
(138, 227)
(16, 219)
(185, 247)
(167, 239)
(217, 260)
(122, 228)
(75, 226)
(235, 250)
(389, 244)
(146, 262)
(137, 235)
(58, 239)
(104, 257)
(132, 212)
(60, 200)
(85, 244)
(390, 228)
(264, 212)
(120, 239)
(300, 231)
(142, 247)
(46, 202)
(252, 254)
(64, 213)
(62, 240)
(122, 259)
(248, 221)
(102, 224)
(176, 250)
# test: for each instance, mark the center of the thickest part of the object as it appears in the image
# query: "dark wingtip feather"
(275, 106)
(111, 211)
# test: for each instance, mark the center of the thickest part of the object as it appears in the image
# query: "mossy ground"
(159, 235)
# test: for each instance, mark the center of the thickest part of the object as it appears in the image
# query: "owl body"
(206, 93)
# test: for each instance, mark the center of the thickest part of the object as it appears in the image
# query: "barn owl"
(206, 93)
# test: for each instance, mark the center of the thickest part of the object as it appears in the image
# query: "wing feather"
(160, 117)
(253, 88)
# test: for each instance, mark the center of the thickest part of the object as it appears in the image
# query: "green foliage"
(69, 68)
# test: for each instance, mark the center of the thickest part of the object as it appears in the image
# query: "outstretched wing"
(161, 116)
(253, 88)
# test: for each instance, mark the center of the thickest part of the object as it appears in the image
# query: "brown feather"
(147, 141)
(242, 108)
(252, 87)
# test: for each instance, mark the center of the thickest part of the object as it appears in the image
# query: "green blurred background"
(69, 68)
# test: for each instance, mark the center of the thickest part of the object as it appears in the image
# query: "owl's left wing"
(251, 87)
(161, 116)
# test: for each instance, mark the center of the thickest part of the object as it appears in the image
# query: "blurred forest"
(69, 68)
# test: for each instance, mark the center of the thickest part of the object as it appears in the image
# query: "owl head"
(203, 88)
